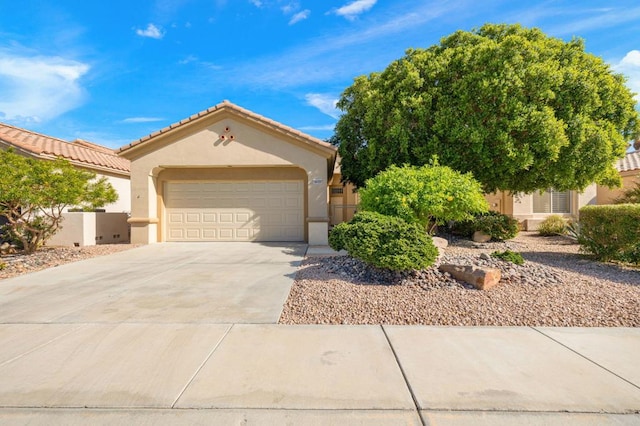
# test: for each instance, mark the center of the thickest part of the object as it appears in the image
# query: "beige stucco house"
(629, 168)
(228, 174)
(80, 228)
(104, 162)
(532, 209)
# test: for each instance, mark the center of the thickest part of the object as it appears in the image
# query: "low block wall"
(90, 228)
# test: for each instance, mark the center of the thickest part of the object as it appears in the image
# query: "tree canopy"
(520, 110)
(34, 194)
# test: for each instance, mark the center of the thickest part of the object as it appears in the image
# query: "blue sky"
(113, 71)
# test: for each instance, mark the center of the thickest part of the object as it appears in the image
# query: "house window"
(335, 190)
(552, 201)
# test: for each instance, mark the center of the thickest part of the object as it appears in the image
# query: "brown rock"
(481, 237)
(441, 243)
(480, 278)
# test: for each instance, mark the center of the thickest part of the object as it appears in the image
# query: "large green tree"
(520, 110)
(34, 194)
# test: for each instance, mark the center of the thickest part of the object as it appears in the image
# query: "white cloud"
(325, 103)
(256, 3)
(39, 88)
(340, 55)
(151, 31)
(300, 16)
(290, 7)
(597, 19)
(324, 127)
(355, 8)
(630, 67)
(141, 119)
(188, 59)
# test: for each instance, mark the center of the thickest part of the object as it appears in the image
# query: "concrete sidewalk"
(161, 373)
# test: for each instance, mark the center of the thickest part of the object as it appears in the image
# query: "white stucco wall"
(89, 228)
(122, 186)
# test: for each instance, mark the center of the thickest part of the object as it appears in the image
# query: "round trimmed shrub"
(553, 225)
(500, 226)
(385, 242)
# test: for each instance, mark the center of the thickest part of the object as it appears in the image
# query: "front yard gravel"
(49, 257)
(556, 286)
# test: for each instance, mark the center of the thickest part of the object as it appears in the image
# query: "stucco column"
(318, 217)
(144, 220)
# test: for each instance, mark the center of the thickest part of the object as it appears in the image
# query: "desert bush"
(336, 236)
(509, 256)
(500, 226)
(553, 225)
(429, 195)
(385, 242)
(611, 232)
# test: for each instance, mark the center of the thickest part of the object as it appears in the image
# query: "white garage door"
(235, 211)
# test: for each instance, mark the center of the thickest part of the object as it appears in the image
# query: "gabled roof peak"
(226, 105)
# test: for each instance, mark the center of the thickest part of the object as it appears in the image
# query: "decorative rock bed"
(554, 287)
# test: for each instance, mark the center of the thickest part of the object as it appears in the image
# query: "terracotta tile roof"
(79, 152)
(631, 161)
(226, 105)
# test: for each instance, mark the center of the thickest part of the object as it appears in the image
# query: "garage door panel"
(210, 218)
(235, 211)
(209, 234)
(193, 218)
(226, 218)
(193, 234)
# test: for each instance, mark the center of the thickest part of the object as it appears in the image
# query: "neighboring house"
(228, 174)
(82, 154)
(532, 209)
(343, 198)
(629, 168)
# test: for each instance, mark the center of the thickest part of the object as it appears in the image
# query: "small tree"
(34, 193)
(429, 195)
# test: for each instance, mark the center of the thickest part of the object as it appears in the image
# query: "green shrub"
(385, 242)
(3, 266)
(509, 256)
(611, 232)
(500, 226)
(429, 195)
(553, 225)
(336, 236)
(463, 228)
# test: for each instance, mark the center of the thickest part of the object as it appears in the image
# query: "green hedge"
(611, 232)
(385, 242)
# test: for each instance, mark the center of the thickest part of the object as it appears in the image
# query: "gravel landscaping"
(556, 286)
(15, 264)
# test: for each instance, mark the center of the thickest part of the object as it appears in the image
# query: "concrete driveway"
(162, 283)
(185, 334)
